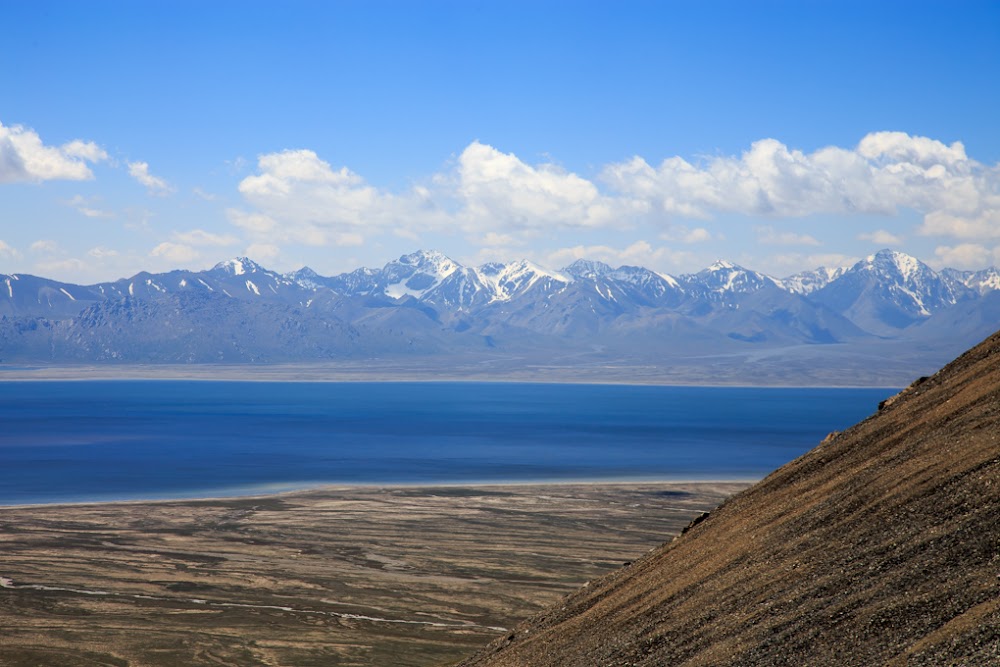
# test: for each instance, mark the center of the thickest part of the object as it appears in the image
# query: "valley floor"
(339, 576)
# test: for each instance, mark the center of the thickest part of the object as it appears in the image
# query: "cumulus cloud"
(7, 251)
(884, 173)
(499, 188)
(965, 256)
(768, 235)
(24, 158)
(175, 252)
(881, 237)
(154, 184)
(297, 196)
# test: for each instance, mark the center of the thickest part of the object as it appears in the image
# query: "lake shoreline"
(673, 376)
(324, 489)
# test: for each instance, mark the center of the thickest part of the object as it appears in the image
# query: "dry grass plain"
(340, 576)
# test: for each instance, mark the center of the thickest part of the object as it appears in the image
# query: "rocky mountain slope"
(886, 318)
(879, 547)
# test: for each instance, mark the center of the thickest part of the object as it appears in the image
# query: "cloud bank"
(296, 196)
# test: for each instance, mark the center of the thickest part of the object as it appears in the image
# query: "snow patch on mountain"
(807, 282)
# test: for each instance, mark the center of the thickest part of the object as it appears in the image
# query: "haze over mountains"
(886, 319)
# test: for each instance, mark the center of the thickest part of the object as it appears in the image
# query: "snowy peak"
(305, 278)
(238, 266)
(416, 274)
(897, 265)
(909, 282)
(724, 280)
(517, 278)
(980, 282)
(587, 269)
(807, 282)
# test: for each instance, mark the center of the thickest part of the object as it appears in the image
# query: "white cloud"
(154, 184)
(768, 235)
(7, 251)
(886, 172)
(175, 252)
(499, 200)
(964, 256)
(299, 189)
(24, 158)
(199, 237)
(497, 188)
(46, 246)
(881, 237)
(298, 197)
(982, 224)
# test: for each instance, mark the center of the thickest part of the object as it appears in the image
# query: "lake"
(125, 440)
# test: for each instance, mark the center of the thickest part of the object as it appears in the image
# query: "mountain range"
(885, 319)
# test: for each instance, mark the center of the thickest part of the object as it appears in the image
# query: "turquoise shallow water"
(77, 441)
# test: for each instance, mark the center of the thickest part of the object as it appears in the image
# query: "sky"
(778, 135)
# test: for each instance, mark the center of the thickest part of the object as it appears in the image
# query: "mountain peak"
(423, 258)
(237, 266)
(907, 266)
(587, 268)
(721, 265)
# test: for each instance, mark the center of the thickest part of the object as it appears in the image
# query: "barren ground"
(352, 576)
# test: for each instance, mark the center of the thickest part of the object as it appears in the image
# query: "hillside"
(879, 547)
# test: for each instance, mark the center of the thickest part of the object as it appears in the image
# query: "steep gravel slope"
(879, 547)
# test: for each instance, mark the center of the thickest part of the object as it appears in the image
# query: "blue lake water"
(116, 440)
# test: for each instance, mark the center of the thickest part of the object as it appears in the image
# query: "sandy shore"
(338, 576)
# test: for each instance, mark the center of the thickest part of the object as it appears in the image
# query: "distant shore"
(382, 371)
(305, 492)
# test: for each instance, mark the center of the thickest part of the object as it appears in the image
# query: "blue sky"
(780, 135)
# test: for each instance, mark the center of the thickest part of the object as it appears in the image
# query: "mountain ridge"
(511, 315)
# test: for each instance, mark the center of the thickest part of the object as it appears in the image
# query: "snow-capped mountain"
(239, 278)
(807, 282)
(416, 274)
(889, 291)
(724, 282)
(22, 294)
(980, 282)
(426, 303)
